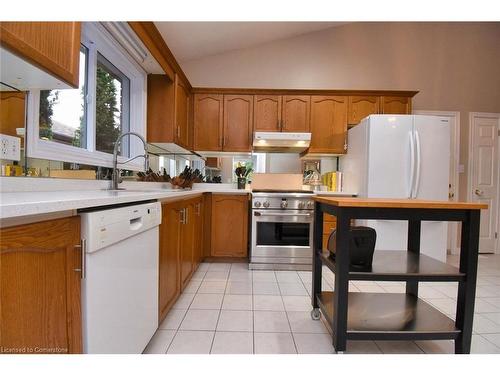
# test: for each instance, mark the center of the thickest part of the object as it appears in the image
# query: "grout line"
(287, 319)
(253, 317)
(220, 310)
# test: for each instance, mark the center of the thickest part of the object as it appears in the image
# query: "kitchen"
(181, 201)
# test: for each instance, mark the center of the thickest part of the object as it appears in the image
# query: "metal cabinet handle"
(478, 192)
(182, 214)
(82, 247)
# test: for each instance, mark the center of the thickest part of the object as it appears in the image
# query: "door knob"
(478, 192)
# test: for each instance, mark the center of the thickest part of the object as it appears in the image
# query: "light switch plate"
(461, 168)
(10, 147)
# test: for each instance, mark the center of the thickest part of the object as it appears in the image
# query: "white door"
(483, 174)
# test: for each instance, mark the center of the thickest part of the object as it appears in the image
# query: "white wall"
(455, 66)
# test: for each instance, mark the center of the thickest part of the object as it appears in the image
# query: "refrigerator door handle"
(412, 165)
(419, 166)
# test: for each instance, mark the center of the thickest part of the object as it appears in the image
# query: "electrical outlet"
(10, 148)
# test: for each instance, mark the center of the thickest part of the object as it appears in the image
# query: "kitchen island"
(403, 316)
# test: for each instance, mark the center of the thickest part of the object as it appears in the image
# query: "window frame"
(97, 40)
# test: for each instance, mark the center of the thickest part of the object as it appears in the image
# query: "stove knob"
(257, 204)
(302, 205)
(266, 204)
(310, 204)
(284, 204)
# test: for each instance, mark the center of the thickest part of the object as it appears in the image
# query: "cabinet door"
(52, 46)
(198, 229)
(160, 109)
(238, 121)
(395, 105)
(208, 122)
(362, 106)
(328, 124)
(40, 271)
(182, 114)
(12, 113)
(267, 113)
(169, 268)
(229, 225)
(296, 113)
(187, 242)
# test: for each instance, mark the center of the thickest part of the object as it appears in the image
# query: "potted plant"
(242, 172)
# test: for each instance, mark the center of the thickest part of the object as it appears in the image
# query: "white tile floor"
(228, 309)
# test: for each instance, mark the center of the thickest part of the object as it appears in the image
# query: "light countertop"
(23, 197)
(16, 204)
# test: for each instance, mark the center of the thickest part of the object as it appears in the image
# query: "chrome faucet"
(115, 178)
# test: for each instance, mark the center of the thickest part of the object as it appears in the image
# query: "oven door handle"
(280, 214)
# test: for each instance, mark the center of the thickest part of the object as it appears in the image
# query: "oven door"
(282, 236)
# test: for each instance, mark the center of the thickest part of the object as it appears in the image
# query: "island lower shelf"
(400, 266)
(390, 316)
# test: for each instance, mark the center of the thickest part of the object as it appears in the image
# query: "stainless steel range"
(282, 230)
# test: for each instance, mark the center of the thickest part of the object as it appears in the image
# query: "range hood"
(281, 142)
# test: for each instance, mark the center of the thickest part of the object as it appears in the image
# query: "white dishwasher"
(120, 278)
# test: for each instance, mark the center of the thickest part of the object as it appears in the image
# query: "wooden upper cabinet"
(182, 127)
(208, 122)
(12, 112)
(328, 124)
(229, 230)
(295, 117)
(238, 121)
(40, 287)
(52, 46)
(160, 109)
(395, 105)
(267, 113)
(362, 106)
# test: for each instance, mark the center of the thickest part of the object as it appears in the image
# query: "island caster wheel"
(315, 314)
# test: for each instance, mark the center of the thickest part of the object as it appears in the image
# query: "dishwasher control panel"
(105, 227)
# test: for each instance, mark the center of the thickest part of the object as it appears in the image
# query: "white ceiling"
(193, 40)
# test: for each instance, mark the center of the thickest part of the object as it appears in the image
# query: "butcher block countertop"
(398, 203)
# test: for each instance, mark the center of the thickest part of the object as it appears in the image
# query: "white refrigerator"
(400, 156)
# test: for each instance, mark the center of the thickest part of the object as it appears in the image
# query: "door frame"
(496, 116)
(455, 151)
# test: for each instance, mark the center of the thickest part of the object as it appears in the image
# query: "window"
(62, 114)
(81, 125)
(112, 106)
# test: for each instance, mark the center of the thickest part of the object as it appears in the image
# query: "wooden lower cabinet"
(12, 112)
(329, 225)
(169, 258)
(180, 249)
(40, 309)
(229, 225)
